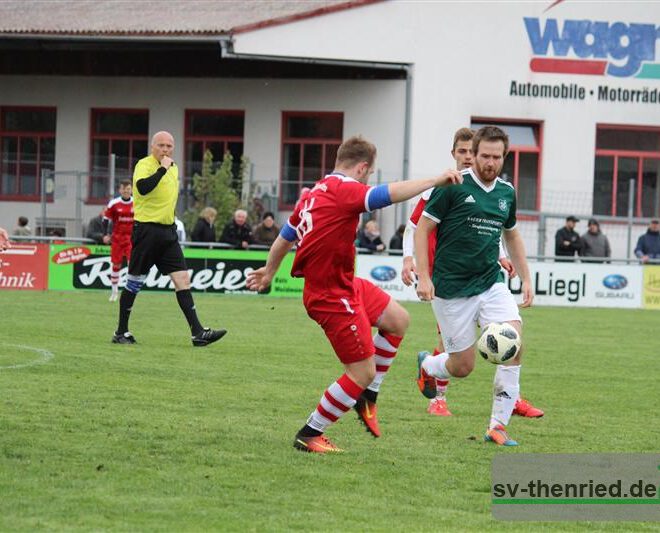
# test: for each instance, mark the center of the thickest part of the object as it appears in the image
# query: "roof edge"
(302, 16)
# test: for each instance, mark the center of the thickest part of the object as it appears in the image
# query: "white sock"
(506, 389)
(114, 280)
(436, 366)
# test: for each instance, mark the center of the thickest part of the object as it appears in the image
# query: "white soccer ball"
(498, 343)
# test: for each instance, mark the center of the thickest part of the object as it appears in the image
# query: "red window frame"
(516, 150)
(206, 139)
(302, 141)
(616, 154)
(40, 135)
(93, 136)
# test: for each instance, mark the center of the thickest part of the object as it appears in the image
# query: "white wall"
(263, 101)
(465, 55)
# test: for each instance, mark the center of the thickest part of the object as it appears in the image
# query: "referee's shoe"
(208, 336)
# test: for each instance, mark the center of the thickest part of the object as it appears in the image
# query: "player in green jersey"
(467, 286)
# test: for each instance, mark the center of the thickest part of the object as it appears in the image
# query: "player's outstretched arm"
(408, 271)
(260, 279)
(400, 191)
(516, 248)
(425, 289)
(4, 240)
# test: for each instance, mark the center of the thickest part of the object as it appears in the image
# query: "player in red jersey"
(464, 157)
(119, 211)
(324, 224)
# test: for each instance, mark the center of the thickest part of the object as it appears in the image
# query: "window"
(123, 132)
(625, 154)
(309, 149)
(217, 131)
(522, 165)
(27, 146)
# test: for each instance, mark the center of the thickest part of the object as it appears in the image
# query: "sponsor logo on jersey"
(470, 200)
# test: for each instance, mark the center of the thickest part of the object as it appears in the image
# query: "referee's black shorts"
(155, 244)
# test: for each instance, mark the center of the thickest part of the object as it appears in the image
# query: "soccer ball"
(498, 343)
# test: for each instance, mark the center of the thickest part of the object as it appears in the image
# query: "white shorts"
(458, 317)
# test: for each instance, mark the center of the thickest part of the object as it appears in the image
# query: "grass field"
(164, 436)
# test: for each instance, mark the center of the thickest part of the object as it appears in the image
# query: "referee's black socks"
(187, 305)
(125, 306)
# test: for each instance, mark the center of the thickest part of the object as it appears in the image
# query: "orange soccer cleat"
(318, 444)
(425, 382)
(438, 407)
(499, 436)
(526, 409)
(368, 415)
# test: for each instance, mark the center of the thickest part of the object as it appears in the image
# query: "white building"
(576, 85)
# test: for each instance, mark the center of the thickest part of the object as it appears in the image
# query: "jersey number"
(305, 225)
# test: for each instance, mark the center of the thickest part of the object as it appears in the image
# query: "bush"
(214, 189)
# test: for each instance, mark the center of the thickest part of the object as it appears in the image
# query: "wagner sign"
(614, 50)
(618, 49)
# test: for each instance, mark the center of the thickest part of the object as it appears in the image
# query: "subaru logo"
(615, 282)
(383, 273)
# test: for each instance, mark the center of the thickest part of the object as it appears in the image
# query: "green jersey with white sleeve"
(470, 219)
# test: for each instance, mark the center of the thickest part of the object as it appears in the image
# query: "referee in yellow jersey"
(155, 242)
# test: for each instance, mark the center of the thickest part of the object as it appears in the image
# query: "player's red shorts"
(347, 322)
(120, 248)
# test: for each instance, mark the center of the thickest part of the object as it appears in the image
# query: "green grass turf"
(164, 436)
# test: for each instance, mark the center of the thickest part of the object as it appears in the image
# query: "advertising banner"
(385, 272)
(24, 267)
(554, 284)
(220, 271)
(584, 284)
(651, 287)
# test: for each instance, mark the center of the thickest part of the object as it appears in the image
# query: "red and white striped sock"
(386, 346)
(338, 399)
(440, 384)
(114, 277)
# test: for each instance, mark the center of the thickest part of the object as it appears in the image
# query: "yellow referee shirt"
(159, 205)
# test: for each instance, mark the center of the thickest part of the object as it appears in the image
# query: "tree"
(214, 189)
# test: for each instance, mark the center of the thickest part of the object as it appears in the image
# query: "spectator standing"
(237, 232)
(22, 229)
(595, 243)
(396, 242)
(204, 231)
(267, 231)
(567, 240)
(648, 244)
(369, 237)
(95, 228)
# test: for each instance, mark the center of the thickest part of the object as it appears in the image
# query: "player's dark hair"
(22, 221)
(490, 133)
(463, 134)
(125, 182)
(355, 150)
